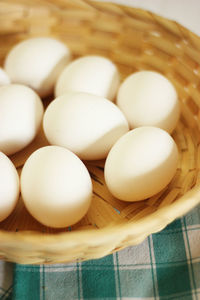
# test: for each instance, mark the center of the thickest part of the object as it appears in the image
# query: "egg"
(37, 62)
(148, 98)
(9, 186)
(56, 187)
(21, 112)
(91, 74)
(86, 124)
(141, 164)
(4, 79)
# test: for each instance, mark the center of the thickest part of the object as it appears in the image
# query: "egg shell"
(21, 112)
(141, 164)
(37, 62)
(90, 74)
(148, 98)
(4, 79)
(86, 124)
(56, 187)
(9, 186)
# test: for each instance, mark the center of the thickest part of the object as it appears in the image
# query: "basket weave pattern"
(134, 39)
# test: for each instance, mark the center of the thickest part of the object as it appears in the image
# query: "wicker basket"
(134, 39)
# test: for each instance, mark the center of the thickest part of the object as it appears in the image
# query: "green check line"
(104, 267)
(152, 268)
(47, 268)
(43, 283)
(98, 284)
(174, 231)
(178, 295)
(118, 275)
(78, 280)
(28, 269)
(190, 258)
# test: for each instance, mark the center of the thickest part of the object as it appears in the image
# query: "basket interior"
(134, 40)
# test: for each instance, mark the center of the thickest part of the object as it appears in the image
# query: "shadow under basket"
(133, 39)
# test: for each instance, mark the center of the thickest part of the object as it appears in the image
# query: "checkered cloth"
(165, 266)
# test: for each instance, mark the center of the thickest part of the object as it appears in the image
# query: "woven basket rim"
(166, 214)
(92, 6)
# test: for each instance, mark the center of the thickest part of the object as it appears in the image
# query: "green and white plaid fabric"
(165, 266)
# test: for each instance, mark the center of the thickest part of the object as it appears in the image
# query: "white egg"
(141, 164)
(90, 74)
(56, 187)
(86, 124)
(21, 112)
(37, 62)
(9, 186)
(149, 99)
(4, 79)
